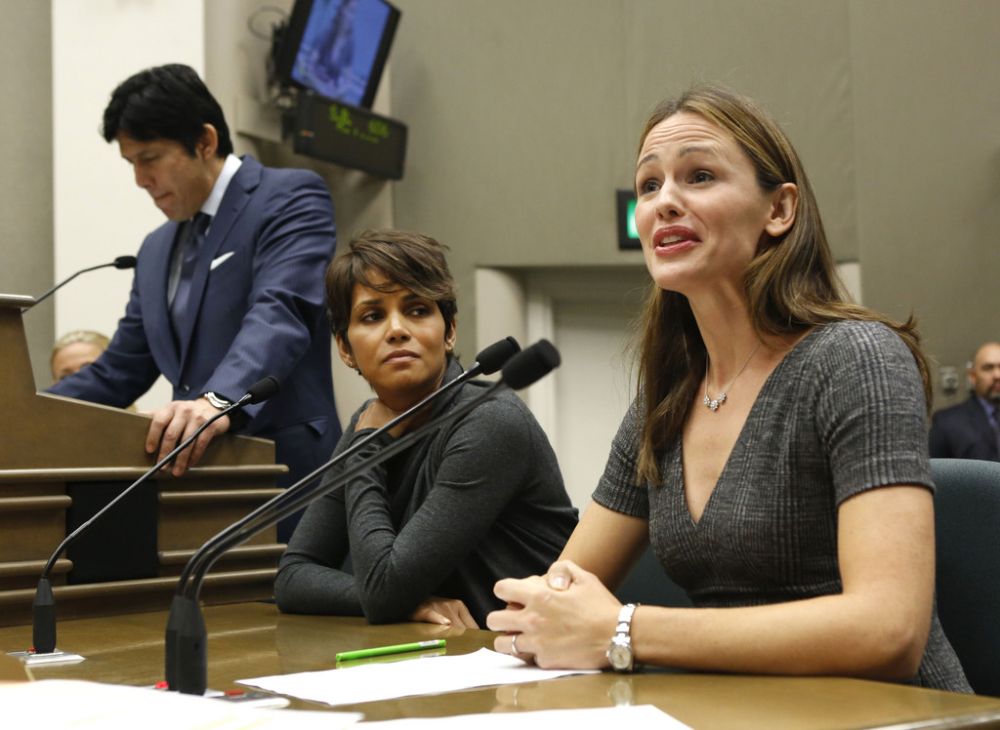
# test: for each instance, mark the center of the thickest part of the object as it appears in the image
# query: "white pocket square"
(220, 260)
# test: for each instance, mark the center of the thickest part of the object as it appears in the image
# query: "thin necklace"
(713, 404)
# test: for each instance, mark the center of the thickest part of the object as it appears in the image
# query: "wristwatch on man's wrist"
(217, 401)
(620, 650)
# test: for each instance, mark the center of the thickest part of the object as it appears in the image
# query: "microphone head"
(496, 355)
(125, 262)
(263, 389)
(530, 365)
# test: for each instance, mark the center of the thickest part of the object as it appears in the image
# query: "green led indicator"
(628, 234)
(341, 118)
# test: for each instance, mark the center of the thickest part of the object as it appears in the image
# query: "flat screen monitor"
(337, 48)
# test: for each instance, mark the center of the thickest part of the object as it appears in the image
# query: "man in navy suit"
(971, 430)
(227, 291)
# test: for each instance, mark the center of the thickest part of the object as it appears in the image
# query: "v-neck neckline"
(740, 438)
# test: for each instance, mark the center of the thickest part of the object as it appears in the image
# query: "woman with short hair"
(432, 529)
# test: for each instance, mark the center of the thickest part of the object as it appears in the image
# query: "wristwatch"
(620, 650)
(217, 401)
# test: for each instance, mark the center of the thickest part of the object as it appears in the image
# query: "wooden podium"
(60, 457)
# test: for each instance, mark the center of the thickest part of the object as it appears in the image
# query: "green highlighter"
(346, 656)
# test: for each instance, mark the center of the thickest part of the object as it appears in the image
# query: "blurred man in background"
(971, 430)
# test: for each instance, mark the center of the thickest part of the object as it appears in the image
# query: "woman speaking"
(775, 456)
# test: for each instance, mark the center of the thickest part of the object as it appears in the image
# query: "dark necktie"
(193, 236)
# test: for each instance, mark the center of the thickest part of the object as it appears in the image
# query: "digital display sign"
(349, 136)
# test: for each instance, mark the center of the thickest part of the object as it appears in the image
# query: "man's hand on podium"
(175, 422)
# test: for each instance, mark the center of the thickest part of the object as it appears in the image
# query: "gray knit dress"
(841, 414)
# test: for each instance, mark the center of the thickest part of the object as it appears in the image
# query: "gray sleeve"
(617, 490)
(310, 579)
(871, 412)
(485, 460)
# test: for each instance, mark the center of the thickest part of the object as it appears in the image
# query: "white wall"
(593, 387)
(99, 213)
(586, 312)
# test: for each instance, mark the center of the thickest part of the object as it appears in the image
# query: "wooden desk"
(254, 639)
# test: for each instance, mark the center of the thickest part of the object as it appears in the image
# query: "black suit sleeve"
(940, 448)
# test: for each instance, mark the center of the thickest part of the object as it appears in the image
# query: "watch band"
(620, 652)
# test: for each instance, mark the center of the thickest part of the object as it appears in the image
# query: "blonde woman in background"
(75, 350)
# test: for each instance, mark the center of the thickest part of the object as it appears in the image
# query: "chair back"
(967, 520)
(648, 583)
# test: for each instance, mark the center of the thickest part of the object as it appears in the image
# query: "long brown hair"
(791, 284)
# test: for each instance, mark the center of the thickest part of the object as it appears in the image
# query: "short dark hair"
(408, 260)
(165, 102)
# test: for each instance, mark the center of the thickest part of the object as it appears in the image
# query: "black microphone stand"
(488, 361)
(43, 608)
(186, 660)
(185, 651)
(122, 262)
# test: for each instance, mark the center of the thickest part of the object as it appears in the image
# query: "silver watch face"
(217, 401)
(620, 656)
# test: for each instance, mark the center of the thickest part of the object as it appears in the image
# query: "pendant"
(713, 403)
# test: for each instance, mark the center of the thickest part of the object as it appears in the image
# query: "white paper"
(61, 703)
(633, 718)
(380, 681)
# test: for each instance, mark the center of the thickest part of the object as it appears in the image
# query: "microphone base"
(43, 618)
(50, 658)
(185, 651)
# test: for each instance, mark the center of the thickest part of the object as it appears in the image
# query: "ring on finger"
(513, 644)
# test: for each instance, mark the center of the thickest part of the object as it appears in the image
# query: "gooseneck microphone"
(489, 360)
(43, 608)
(121, 262)
(530, 366)
(185, 650)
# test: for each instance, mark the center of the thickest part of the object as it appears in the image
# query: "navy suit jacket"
(963, 432)
(257, 309)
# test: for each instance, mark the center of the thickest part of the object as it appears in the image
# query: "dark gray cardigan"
(480, 500)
